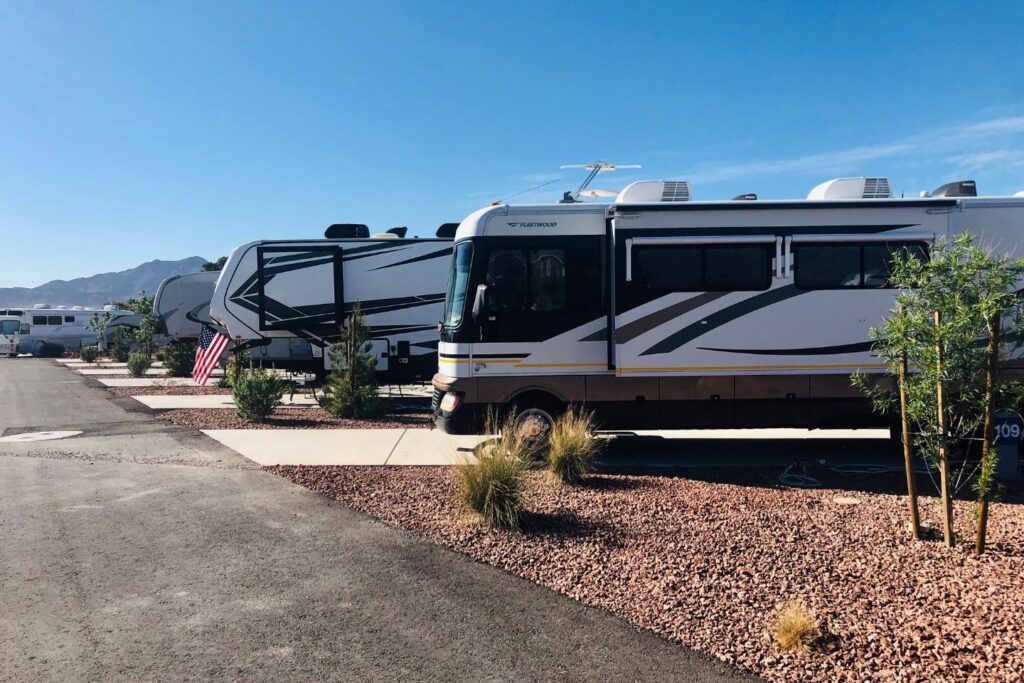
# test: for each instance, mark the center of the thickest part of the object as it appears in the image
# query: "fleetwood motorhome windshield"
(303, 290)
(659, 312)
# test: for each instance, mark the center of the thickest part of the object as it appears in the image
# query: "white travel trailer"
(182, 302)
(67, 326)
(659, 312)
(301, 291)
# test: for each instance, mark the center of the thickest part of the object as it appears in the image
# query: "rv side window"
(704, 269)
(547, 280)
(39, 320)
(737, 269)
(69, 318)
(676, 269)
(506, 280)
(838, 266)
(53, 320)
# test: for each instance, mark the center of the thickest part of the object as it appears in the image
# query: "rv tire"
(537, 413)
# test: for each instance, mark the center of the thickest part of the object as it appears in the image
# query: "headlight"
(450, 402)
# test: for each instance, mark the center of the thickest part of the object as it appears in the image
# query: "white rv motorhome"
(67, 326)
(661, 312)
(299, 292)
(10, 333)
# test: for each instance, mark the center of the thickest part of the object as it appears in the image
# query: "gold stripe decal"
(716, 368)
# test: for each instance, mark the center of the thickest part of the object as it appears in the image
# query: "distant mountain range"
(100, 289)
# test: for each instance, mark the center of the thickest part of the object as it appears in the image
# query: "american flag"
(211, 346)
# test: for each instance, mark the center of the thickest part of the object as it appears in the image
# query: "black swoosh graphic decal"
(719, 318)
(809, 351)
(424, 257)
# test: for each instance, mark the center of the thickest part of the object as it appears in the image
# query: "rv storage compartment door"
(300, 289)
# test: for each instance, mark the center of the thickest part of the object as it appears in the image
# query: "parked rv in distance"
(661, 312)
(67, 326)
(299, 293)
(10, 333)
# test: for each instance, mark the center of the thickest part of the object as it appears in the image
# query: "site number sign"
(1009, 428)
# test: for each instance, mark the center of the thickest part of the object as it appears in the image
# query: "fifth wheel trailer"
(661, 312)
(304, 290)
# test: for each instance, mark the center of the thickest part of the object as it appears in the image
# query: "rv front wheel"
(534, 419)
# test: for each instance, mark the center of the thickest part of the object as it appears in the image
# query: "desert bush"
(120, 346)
(179, 358)
(138, 363)
(256, 391)
(572, 446)
(795, 627)
(50, 350)
(493, 485)
(89, 354)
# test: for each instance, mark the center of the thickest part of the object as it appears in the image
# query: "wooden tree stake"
(947, 497)
(991, 367)
(908, 456)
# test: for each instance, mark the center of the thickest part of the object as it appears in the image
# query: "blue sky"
(142, 130)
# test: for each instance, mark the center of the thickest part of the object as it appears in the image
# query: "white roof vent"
(77, 308)
(1019, 194)
(852, 188)
(653, 191)
(110, 307)
(41, 306)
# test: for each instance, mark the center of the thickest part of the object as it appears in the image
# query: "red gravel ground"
(707, 563)
(288, 418)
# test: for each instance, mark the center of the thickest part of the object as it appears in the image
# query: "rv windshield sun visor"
(347, 230)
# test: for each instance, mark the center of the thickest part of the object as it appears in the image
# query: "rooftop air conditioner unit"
(42, 306)
(654, 191)
(852, 188)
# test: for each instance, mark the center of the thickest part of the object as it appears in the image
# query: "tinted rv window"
(69, 318)
(9, 326)
(547, 280)
(53, 320)
(737, 269)
(39, 320)
(832, 266)
(676, 269)
(506, 280)
(455, 302)
(838, 266)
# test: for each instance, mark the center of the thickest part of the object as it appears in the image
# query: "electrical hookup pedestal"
(1009, 432)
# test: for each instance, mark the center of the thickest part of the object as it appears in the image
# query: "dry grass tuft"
(493, 486)
(572, 446)
(795, 627)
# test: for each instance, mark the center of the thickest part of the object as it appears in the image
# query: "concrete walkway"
(149, 382)
(347, 446)
(152, 372)
(214, 401)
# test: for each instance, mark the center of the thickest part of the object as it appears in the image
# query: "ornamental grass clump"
(795, 627)
(138, 363)
(493, 485)
(572, 446)
(256, 392)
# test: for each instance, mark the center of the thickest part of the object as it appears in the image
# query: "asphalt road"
(142, 551)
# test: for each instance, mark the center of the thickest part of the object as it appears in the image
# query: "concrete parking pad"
(347, 446)
(152, 372)
(149, 382)
(214, 401)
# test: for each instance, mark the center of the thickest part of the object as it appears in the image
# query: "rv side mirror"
(480, 303)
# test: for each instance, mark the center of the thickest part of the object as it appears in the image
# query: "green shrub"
(50, 350)
(493, 486)
(138, 363)
(89, 354)
(351, 386)
(237, 362)
(179, 358)
(572, 446)
(121, 344)
(256, 392)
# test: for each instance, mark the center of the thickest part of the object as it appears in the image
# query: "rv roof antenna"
(596, 168)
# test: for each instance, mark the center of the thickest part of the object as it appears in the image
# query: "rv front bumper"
(451, 412)
(8, 347)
